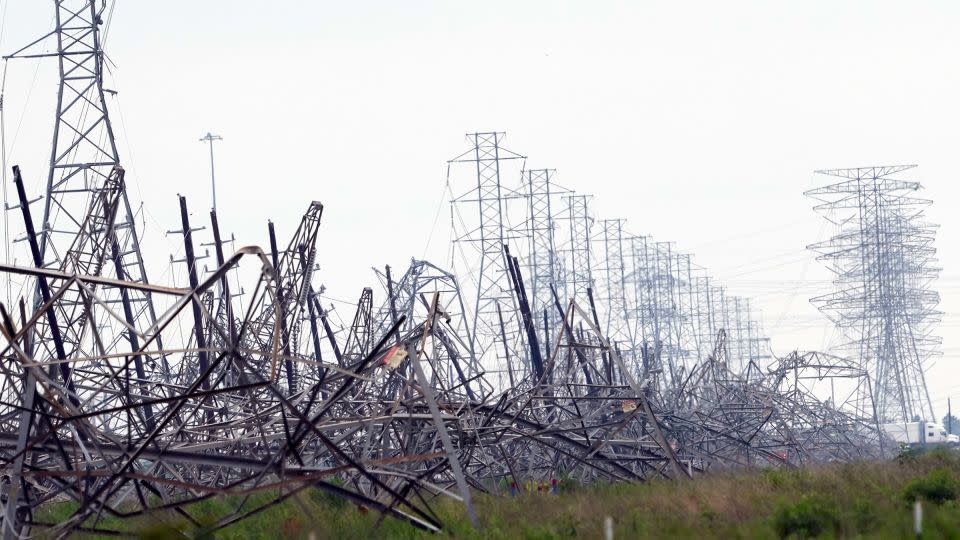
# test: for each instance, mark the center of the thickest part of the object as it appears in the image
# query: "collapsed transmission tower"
(87, 224)
(884, 260)
(128, 415)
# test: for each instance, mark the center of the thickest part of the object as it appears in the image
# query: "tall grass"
(864, 499)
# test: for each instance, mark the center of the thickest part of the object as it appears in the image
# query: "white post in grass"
(918, 518)
(608, 528)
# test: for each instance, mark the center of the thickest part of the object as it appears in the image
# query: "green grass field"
(869, 500)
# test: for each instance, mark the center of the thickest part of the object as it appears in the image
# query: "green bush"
(808, 517)
(938, 486)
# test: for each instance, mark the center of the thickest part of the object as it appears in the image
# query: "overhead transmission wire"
(436, 217)
(3, 175)
(142, 211)
(795, 290)
(456, 242)
(3, 159)
(6, 151)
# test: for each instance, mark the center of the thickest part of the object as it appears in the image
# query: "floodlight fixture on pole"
(209, 137)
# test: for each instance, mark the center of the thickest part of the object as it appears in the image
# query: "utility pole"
(949, 418)
(209, 138)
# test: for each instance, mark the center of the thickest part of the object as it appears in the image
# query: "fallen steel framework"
(134, 399)
(389, 427)
(401, 413)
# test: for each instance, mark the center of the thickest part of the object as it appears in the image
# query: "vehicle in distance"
(918, 433)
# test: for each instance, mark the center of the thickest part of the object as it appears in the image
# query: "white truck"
(916, 433)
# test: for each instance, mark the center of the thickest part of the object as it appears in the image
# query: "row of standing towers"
(652, 302)
(664, 312)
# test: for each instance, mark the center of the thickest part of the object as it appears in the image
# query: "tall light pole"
(209, 137)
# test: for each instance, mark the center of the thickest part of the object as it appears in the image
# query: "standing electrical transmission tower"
(84, 152)
(545, 266)
(884, 260)
(577, 265)
(495, 313)
(618, 309)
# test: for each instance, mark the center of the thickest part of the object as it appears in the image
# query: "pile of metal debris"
(220, 395)
(135, 399)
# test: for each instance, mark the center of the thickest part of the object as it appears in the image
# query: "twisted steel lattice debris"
(135, 399)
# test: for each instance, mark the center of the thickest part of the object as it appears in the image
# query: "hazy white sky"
(699, 122)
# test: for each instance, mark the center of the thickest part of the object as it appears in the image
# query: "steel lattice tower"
(736, 338)
(646, 324)
(495, 311)
(664, 307)
(757, 344)
(684, 321)
(652, 302)
(618, 310)
(577, 268)
(884, 259)
(705, 314)
(544, 263)
(84, 152)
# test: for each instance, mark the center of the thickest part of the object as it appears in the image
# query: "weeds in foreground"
(836, 500)
(808, 517)
(938, 486)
